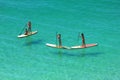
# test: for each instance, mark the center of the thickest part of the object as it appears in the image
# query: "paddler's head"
(82, 35)
(59, 36)
(29, 23)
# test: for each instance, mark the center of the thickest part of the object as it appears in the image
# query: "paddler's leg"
(83, 40)
(59, 39)
(26, 31)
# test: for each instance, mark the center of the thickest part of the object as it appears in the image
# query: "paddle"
(78, 36)
(22, 29)
(56, 37)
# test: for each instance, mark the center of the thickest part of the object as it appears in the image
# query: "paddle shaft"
(56, 38)
(78, 36)
(22, 29)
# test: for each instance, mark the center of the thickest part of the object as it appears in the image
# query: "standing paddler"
(59, 40)
(29, 26)
(83, 40)
(28, 29)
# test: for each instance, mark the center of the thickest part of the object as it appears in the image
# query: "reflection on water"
(32, 42)
(77, 54)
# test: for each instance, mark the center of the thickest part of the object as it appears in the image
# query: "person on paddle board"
(29, 26)
(83, 40)
(59, 39)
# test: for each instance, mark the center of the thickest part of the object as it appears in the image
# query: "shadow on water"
(77, 54)
(31, 42)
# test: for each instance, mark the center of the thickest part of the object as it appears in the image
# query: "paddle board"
(82, 47)
(55, 46)
(29, 34)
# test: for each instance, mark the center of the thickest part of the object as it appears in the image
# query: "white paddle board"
(29, 34)
(55, 46)
(82, 47)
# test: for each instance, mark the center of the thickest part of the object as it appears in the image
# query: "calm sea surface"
(30, 59)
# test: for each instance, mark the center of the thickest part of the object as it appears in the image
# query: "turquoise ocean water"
(30, 59)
